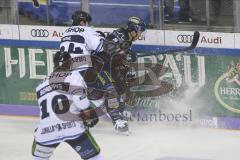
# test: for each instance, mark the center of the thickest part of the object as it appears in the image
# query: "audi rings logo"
(184, 38)
(39, 33)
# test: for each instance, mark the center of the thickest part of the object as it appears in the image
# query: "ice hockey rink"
(147, 141)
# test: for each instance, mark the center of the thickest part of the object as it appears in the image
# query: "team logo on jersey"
(227, 88)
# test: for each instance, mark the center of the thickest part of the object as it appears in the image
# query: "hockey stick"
(193, 45)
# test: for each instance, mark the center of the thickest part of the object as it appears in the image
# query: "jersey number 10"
(60, 105)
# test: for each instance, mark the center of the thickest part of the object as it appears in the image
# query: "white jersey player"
(81, 39)
(65, 111)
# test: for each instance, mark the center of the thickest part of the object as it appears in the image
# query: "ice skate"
(121, 127)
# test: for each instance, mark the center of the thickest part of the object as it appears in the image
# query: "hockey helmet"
(136, 24)
(81, 16)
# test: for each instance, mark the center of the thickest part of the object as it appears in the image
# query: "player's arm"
(95, 41)
(85, 109)
(89, 116)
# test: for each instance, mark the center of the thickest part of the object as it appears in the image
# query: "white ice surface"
(148, 141)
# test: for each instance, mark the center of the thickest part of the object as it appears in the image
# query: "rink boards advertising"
(213, 69)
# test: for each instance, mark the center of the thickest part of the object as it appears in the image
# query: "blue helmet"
(136, 24)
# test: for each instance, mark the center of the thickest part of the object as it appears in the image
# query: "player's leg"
(86, 146)
(124, 108)
(118, 112)
(104, 83)
(114, 108)
(115, 112)
(42, 152)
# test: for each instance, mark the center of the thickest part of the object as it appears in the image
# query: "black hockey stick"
(193, 45)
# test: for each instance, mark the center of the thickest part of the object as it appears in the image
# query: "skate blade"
(126, 133)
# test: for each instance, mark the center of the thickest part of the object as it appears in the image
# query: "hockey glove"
(89, 117)
(36, 3)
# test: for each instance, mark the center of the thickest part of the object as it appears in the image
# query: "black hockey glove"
(89, 117)
(36, 3)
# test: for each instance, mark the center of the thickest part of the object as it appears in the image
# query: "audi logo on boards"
(39, 33)
(184, 38)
